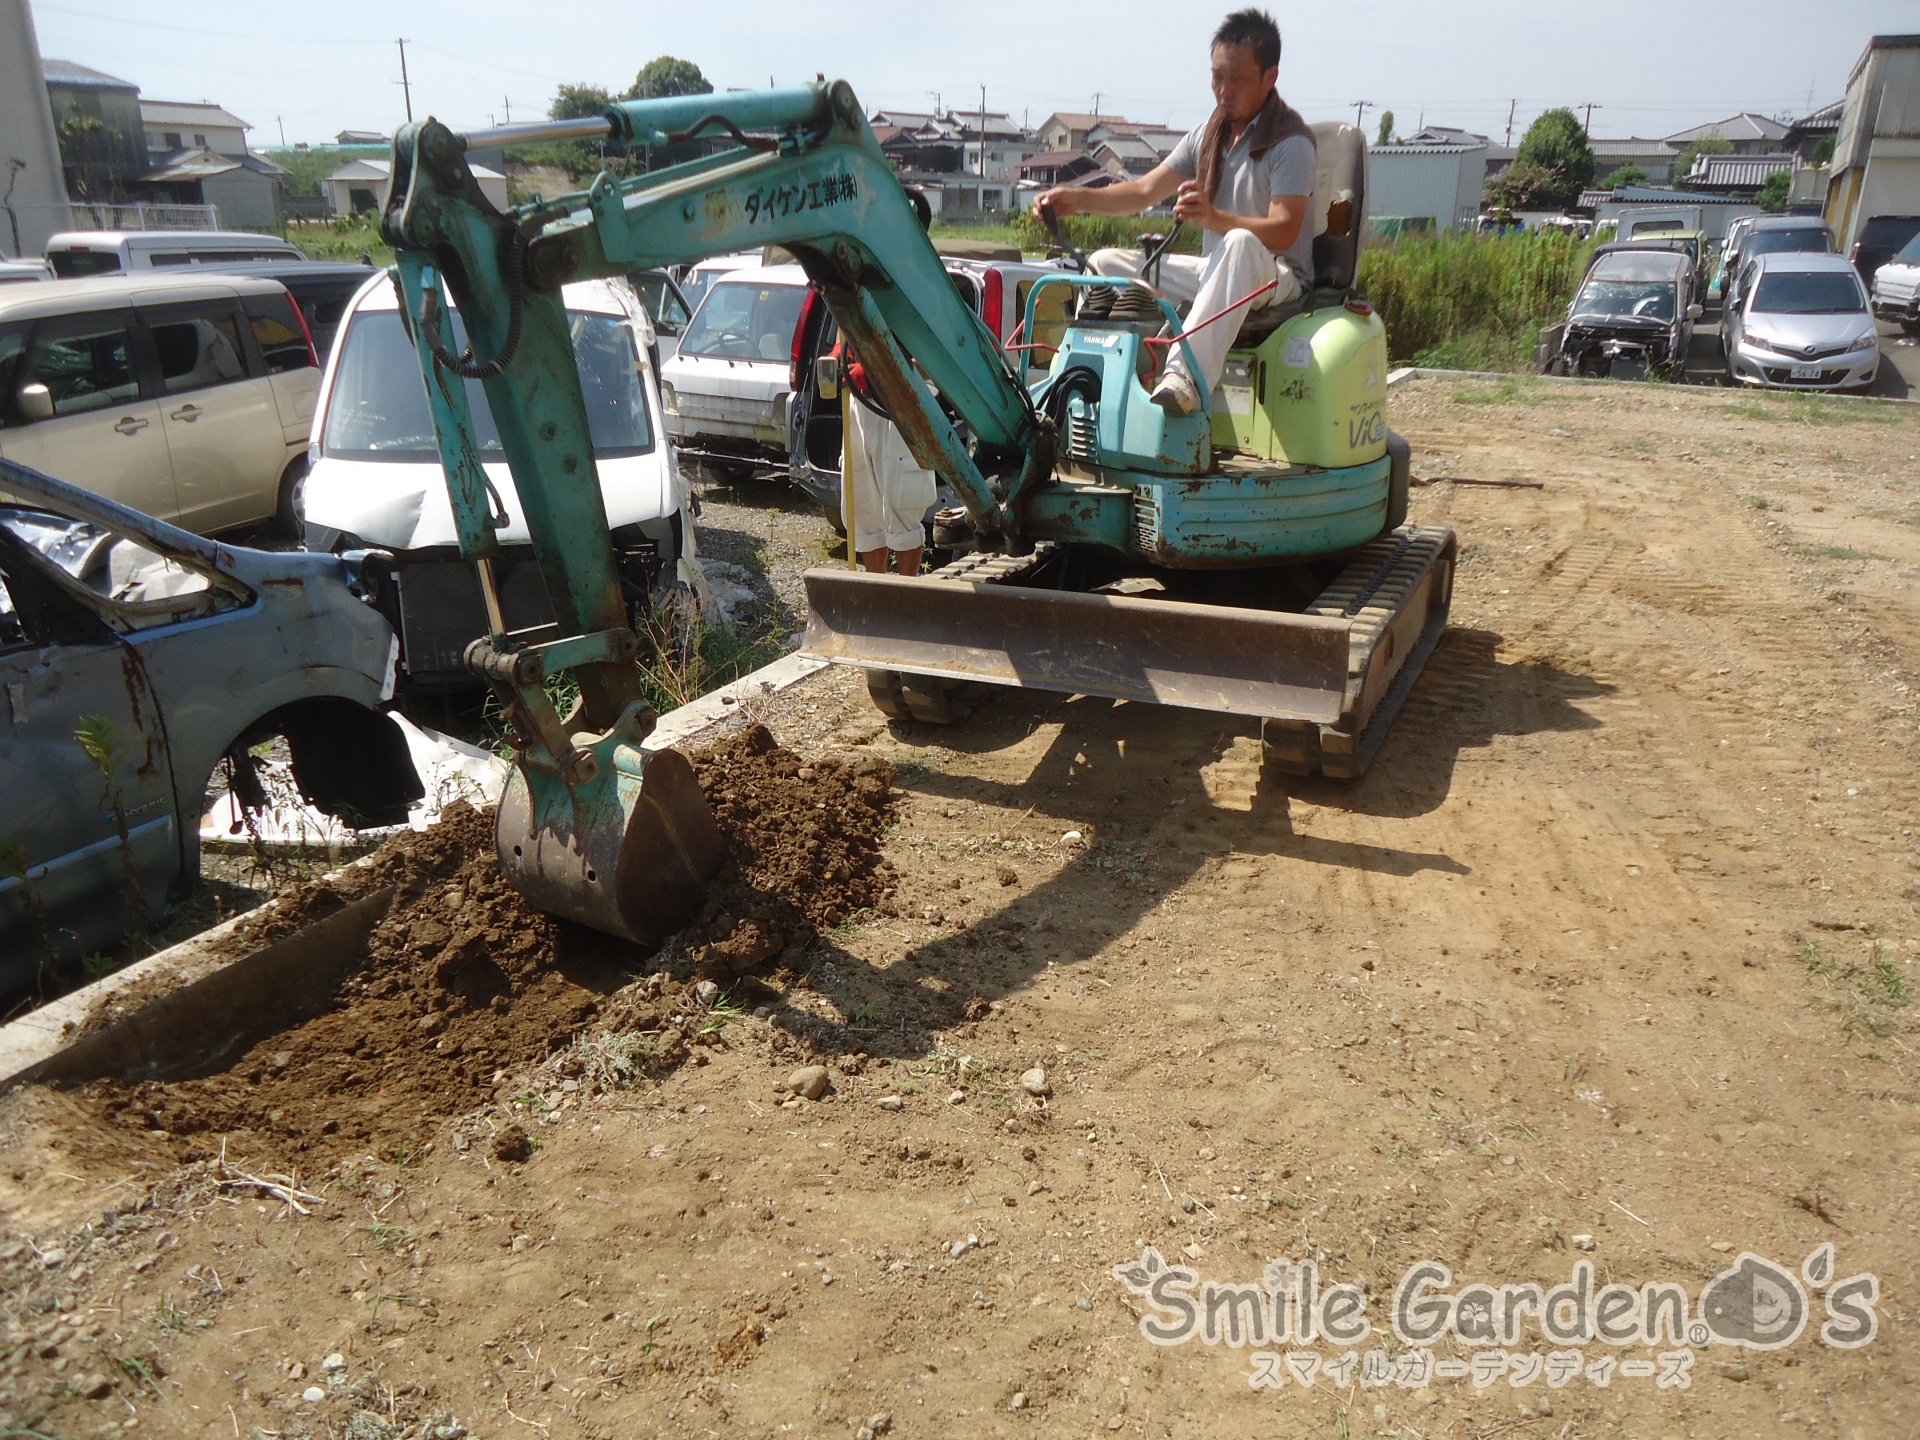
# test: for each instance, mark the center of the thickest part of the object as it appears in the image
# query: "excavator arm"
(594, 824)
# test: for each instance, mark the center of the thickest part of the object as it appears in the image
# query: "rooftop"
(1737, 172)
(188, 113)
(1744, 126)
(79, 77)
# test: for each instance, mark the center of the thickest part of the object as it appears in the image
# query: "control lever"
(1072, 251)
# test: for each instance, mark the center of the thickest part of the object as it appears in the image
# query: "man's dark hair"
(1254, 29)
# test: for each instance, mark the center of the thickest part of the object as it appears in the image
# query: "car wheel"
(831, 509)
(289, 513)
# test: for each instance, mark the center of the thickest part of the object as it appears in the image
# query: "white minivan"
(185, 396)
(727, 388)
(375, 479)
(75, 254)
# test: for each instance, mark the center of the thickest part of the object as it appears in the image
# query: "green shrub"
(1100, 232)
(1463, 297)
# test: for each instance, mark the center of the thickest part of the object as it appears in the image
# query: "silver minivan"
(186, 397)
(76, 254)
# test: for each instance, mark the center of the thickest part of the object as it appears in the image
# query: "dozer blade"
(1328, 682)
(630, 853)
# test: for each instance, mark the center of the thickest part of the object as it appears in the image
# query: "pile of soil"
(465, 982)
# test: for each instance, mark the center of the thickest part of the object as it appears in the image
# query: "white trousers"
(1239, 265)
(883, 491)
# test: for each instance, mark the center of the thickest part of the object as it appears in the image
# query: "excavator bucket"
(1328, 681)
(630, 854)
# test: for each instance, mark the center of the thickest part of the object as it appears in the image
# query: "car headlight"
(669, 401)
(1862, 342)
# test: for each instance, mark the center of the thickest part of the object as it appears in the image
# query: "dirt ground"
(1607, 962)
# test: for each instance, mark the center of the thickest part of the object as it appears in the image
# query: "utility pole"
(983, 135)
(1590, 107)
(405, 87)
(1096, 103)
(506, 105)
(1360, 108)
(1508, 143)
(283, 131)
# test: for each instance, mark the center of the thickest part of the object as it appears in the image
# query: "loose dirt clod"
(463, 978)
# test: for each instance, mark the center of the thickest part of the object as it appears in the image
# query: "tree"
(1530, 187)
(1625, 175)
(578, 102)
(1823, 152)
(1556, 144)
(1773, 192)
(1712, 143)
(1386, 128)
(666, 75)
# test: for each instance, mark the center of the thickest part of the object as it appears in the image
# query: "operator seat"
(1339, 223)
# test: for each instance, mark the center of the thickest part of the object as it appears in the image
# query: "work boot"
(1176, 393)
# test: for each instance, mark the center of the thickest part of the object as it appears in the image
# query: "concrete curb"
(199, 1005)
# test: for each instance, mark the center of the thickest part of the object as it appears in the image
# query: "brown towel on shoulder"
(1276, 121)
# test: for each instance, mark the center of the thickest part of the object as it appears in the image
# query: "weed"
(169, 1316)
(140, 1369)
(1761, 502)
(1464, 296)
(650, 1344)
(612, 1060)
(1810, 409)
(691, 657)
(1832, 552)
(1863, 994)
(1092, 232)
(722, 1013)
(387, 1237)
(865, 1016)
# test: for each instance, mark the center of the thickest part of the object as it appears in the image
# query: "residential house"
(103, 147)
(172, 126)
(1876, 156)
(997, 152)
(362, 137)
(1127, 157)
(1804, 135)
(1736, 174)
(1498, 157)
(1440, 181)
(1065, 131)
(1065, 167)
(1654, 158)
(1748, 133)
(35, 204)
(361, 185)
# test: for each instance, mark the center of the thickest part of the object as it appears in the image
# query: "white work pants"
(883, 491)
(1239, 265)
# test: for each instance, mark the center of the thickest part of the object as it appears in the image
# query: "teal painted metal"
(1256, 516)
(474, 518)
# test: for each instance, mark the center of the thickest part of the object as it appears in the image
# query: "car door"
(222, 420)
(89, 841)
(105, 432)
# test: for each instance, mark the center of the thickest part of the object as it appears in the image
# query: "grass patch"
(1833, 552)
(1516, 390)
(340, 239)
(1762, 502)
(386, 1237)
(1775, 407)
(1864, 994)
(691, 657)
(1461, 298)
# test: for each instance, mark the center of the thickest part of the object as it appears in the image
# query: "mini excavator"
(1252, 558)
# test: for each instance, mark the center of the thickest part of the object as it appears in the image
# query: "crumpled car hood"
(404, 505)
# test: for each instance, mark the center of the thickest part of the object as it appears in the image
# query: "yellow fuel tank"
(1314, 392)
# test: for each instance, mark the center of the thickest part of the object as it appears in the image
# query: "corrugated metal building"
(1876, 160)
(1442, 182)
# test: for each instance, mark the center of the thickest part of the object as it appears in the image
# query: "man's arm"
(1277, 230)
(1129, 197)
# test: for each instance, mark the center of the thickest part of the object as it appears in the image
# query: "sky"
(1648, 67)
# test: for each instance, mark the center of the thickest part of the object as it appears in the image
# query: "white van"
(376, 480)
(75, 254)
(188, 397)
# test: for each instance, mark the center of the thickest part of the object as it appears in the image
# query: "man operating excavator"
(1245, 178)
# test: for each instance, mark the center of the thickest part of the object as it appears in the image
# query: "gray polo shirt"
(1247, 186)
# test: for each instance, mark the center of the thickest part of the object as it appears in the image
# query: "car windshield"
(745, 320)
(1776, 242)
(1909, 254)
(1821, 292)
(378, 410)
(1626, 299)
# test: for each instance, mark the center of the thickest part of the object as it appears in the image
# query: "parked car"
(1632, 317)
(667, 311)
(726, 390)
(1686, 242)
(186, 397)
(376, 479)
(323, 289)
(14, 272)
(75, 254)
(1802, 324)
(697, 278)
(996, 283)
(1896, 288)
(133, 658)
(1879, 240)
(1773, 235)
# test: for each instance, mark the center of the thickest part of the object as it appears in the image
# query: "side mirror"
(826, 376)
(1696, 311)
(36, 402)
